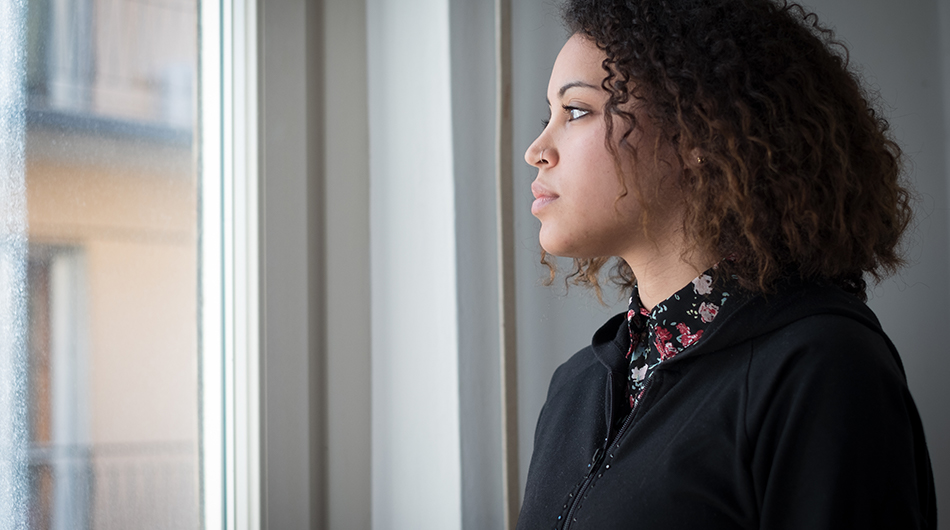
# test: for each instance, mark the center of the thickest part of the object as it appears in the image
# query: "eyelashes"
(573, 113)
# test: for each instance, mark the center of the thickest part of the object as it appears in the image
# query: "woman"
(723, 154)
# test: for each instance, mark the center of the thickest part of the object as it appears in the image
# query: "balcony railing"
(129, 60)
(107, 487)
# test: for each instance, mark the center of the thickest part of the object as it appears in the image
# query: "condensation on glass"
(14, 459)
(98, 265)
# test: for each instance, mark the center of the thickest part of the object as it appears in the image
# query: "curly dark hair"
(788, 168)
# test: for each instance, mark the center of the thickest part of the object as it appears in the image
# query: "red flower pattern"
(667, 349)
(686, 338)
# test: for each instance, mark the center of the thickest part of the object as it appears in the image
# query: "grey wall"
(899, 48)
(288, 339)
(346, 233)
(472, 29)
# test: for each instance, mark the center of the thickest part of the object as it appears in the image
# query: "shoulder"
(829, 381)
(828, 411)
(834, 353)
(822, 368)
(810, 328)
(826, 340)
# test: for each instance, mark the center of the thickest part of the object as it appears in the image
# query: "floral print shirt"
(672, 326)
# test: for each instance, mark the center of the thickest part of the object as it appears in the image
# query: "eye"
(575, 113)
(544, 124)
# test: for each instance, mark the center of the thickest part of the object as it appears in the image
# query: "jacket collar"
(680, 321)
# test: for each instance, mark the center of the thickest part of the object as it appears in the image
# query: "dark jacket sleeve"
(836, 439)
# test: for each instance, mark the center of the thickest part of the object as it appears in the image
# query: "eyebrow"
(573, 84)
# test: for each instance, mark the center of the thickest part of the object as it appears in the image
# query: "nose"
(539, 154)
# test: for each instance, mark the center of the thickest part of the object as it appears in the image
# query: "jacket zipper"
(600, 453)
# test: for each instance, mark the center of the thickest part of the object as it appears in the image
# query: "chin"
(560, 250)
(559, 243)
(549, 244)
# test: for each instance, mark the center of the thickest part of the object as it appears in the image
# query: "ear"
(696, 158)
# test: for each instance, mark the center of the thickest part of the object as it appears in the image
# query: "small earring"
(700, 160)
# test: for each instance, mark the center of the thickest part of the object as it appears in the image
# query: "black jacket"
(793, 412)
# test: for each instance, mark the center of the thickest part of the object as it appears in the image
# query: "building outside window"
(110, 181)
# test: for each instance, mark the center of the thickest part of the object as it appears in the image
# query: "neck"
(665, 271)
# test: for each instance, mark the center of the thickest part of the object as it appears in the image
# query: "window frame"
(262, 261)
(229, 266)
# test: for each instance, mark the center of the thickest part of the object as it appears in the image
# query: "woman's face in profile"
(579, 198)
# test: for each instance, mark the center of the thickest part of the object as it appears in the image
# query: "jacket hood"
(754, 315)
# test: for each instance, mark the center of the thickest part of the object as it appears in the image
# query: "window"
(129, 267)
(103, 265)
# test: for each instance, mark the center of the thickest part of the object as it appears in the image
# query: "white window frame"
(263, 337)
(230, 346)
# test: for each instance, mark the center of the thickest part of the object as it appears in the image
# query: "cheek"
(605, 194)
(601, 206)
(608, 188)
(599, 170)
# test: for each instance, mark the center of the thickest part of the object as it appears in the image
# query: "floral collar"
(672, 326)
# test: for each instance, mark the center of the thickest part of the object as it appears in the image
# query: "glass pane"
(106, 362)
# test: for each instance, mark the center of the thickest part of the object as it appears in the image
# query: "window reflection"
(112, 266)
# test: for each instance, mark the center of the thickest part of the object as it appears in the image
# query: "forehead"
(579, 60)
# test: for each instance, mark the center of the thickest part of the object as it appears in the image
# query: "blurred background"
(112, 269)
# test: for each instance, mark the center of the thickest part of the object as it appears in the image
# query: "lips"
(542, 197)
